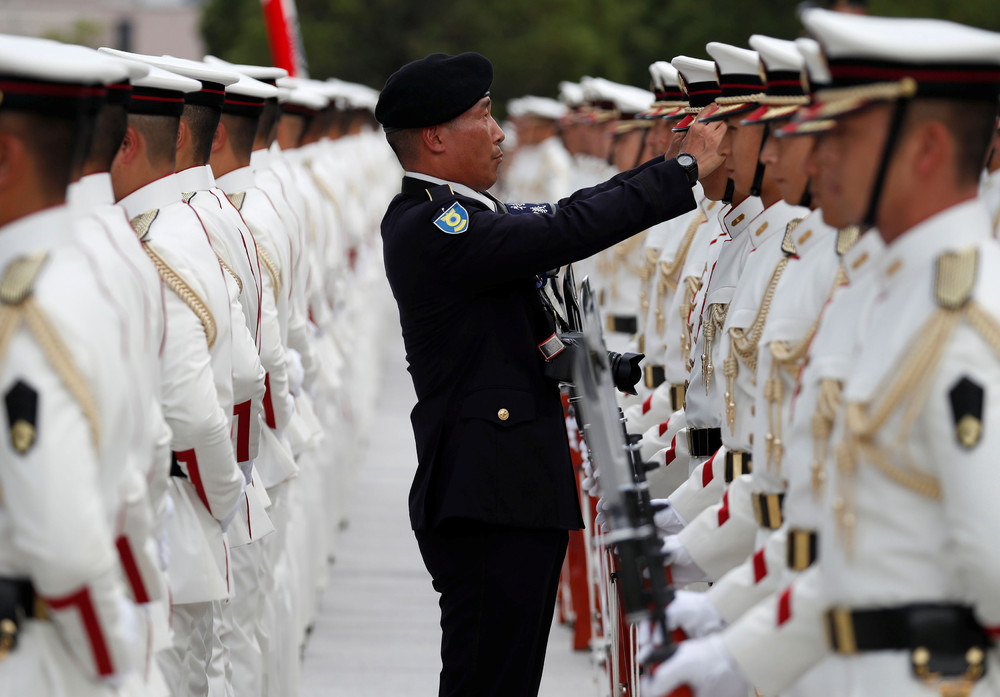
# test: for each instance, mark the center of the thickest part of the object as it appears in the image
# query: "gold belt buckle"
(677, 395)
(950, 687)
(841, 628)
(799, 550)
(8, 638)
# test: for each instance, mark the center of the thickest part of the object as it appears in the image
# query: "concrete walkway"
(377, 633)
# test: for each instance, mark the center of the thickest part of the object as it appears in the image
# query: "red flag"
(284, 37)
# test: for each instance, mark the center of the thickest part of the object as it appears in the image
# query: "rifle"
(632, 535)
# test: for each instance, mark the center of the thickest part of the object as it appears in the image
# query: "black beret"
(433, 90)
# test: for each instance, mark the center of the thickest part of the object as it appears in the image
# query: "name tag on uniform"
(453, 221)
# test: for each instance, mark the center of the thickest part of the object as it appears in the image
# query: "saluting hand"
(702, 142)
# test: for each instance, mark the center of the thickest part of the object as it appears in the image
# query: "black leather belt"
(175, 469)
(678, 393)
(767, 510)
(654, 376)
(623, 324)
(802, 546)
(944, 639)
(737, 463)
(703, 442)
(18, 602)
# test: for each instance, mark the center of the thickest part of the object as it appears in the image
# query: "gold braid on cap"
(17, 305)
(740, 99)
(838, 100)
(174, 280)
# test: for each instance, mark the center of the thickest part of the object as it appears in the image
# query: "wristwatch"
(690, 165)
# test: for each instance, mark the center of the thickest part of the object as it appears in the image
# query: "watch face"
(685, 160)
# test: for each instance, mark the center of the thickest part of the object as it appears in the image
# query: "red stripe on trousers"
(131, 570)
(268, 404)
(88, 614)
(242, 413)
(190, 459)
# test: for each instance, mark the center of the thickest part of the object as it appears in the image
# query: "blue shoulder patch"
(454, 220)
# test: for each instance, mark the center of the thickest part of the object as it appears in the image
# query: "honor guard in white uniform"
(806, 283)
(133, 289)
(704, 409)
(541, 168)
(901, 598)
(281, 615)
(670, 291)
(722, 535)
(197, 373)
(66, 623)
(245, 101)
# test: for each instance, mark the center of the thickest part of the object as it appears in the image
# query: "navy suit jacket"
(489, 426)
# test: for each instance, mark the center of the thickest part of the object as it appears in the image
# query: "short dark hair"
(202, 122)
(242, 130)
(404, 144)
(267, 125)
(53, 143)
(160, 134)
(109, 130)
(970, 123)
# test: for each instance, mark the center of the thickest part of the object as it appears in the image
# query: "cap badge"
(453, 221)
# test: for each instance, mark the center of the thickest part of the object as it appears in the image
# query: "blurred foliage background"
(533, 43)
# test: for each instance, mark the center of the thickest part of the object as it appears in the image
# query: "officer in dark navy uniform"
(494, 494)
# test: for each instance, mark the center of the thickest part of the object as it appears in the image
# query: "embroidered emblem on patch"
(530, 208)
(453, 221)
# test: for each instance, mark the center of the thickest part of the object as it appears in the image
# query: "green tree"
(533, 43)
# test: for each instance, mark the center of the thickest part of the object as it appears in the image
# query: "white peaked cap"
(196, 70)
(695, 70)
(777, 54)
(733, 60)
(901, 39)
(160, 79)
(258, 72)
(663, 75)
(542, 107)
(247, 86)
(815, 61)
(51, 61)
(571, 93)
(303, 94)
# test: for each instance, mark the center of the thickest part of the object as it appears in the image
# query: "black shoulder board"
(22, 414)
(967, 411)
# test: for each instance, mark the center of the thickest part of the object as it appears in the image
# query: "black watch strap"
(690, 164)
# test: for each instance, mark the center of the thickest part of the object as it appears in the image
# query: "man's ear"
(934, 148)
(130, 147)
(432, 138)
(183, 135)
(220, 137)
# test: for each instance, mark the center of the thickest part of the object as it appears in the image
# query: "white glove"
(600, 517)
(592, 485)
(694, 614)
(296, 373)
(667, 521)
(703, 666)
(683, 570)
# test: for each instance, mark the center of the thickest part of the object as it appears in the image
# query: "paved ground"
(377, 633)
